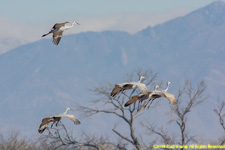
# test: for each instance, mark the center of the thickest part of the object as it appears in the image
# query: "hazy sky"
(38, 11)
(27, 20)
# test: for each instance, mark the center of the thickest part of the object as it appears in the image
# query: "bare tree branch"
(115, 106)
(164, 135)
(67, 141)
(221, 116)
(123, 137)
(188, 97)
(194, 98)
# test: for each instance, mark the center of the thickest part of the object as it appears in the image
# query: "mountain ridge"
(49, 78)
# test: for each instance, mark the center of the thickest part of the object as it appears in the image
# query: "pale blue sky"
(26, 20)
(29, 11)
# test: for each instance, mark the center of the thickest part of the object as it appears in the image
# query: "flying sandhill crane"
(58, 30)
(140, 97)
(163, 93)
(153, 95)
(56, 119)
(129, 85)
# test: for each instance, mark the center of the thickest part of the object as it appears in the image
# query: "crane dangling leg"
(139, 103)
(48, 33)
(45, 34)
(149, 101)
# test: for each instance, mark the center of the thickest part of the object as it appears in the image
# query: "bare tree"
(115, 106)
(103, 143)
(15, 142)
(188, 98)
(219, 111)
(194, 98)
(58, 137)
(165, 136)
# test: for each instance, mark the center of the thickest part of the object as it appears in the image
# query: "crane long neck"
(140, 80)
(66, 110)
(69, 27)
(167, 87)
(156, 87)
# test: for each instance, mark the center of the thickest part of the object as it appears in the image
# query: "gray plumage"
(55, 119)
(58, 30)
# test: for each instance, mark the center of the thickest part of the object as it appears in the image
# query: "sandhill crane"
(129, 85)
(58, 30)
(163, 93)
(56, 119)
(140, 97)
(153, 95)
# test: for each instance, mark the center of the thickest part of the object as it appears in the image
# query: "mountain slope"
(40, 79)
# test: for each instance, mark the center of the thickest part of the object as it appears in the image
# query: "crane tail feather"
(45, 34)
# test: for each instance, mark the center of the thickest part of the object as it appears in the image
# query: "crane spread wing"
(154, 96)
(116, 90)
(58, 25)
(127, 86)
(44, 124)
(132, 100)
(142, 87)
(71, 117)
(57, 37)
(132, 85)
(139, 97)
(170, 97)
